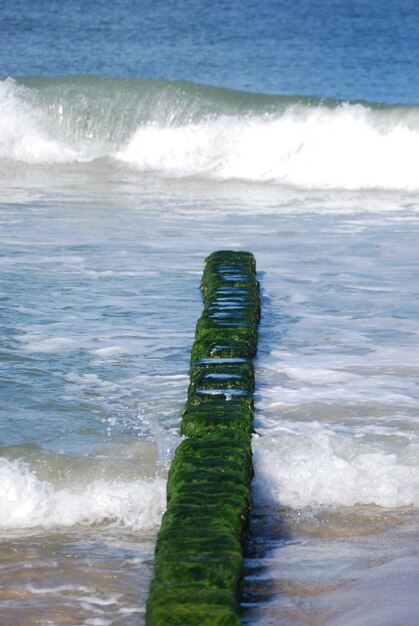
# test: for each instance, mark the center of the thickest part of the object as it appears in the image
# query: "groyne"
(199, 549)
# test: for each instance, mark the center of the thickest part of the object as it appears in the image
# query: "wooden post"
(199, 550)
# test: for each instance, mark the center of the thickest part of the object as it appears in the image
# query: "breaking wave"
(179, 130)
(26, 501)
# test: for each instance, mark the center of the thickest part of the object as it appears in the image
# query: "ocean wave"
(309, 464)
(181, 130)
(28, 502)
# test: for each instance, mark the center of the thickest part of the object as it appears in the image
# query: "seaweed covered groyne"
(199, 550)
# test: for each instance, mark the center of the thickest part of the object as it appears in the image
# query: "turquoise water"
(135, 139)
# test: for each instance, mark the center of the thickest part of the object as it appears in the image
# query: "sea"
(137, 137)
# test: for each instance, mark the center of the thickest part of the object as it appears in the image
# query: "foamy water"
(173, 131)
(313, 465)
(349, 147)
(111, 205)
(27, 502)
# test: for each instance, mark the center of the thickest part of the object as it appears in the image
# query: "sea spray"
(27, 502)
(182, 130)
(312, 465)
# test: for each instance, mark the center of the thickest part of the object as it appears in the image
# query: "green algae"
(199, 549)
(191, 605)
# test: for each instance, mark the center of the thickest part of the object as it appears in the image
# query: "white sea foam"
(317, 146)
(53, 345)
(347, 147)
(59, 589)
(23, 133)
(27, 502)
(309, 464)
(110, 351)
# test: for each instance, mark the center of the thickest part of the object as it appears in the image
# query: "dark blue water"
(355, 49)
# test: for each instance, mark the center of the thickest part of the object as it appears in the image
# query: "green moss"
(199, 549)
(191, 605)
(198, 425)
(220, 346)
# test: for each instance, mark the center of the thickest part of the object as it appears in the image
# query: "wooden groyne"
(199, 550)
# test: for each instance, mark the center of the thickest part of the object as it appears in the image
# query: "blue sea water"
(135, 139)
(345, 50)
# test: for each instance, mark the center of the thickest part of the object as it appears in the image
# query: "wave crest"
(310, 465)
(182, 130)
(27, 502)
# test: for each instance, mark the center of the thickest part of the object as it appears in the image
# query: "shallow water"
(78, 576)
(98, 360)
(345, 566)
